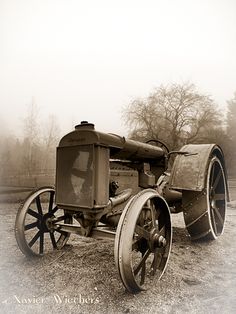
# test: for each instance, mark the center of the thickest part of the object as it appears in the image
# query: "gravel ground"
(82, 278)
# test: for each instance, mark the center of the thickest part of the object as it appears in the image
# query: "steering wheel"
(159, 144)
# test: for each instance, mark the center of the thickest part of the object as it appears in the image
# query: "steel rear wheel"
(204, 212)
(33, 227)
(143, 240)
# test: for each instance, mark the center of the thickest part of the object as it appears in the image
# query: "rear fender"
(189, 170)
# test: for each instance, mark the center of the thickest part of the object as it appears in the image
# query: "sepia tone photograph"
(118, 156)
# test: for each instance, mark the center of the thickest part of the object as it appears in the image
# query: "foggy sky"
(85, 60)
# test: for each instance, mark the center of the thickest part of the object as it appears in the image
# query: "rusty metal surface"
(97, 233)
(125, 178)
(189, 171)
(204, 212)
(120, 147)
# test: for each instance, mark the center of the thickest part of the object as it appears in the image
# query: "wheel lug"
(158, 241)
(161, 241)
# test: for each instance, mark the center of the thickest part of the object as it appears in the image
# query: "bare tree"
(51, 136)
(5, 158)
(31, 132)
(176, 114)
(231, 118)
(231, 132)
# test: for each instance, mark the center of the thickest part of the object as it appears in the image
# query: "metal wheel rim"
(199, 205)
(216, 197)
(39, 225)
(124, 244)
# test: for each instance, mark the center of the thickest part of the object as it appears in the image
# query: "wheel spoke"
(50, 205)
(212, 175)
(135, 244)
(213, 220)
(138, 243)
(39, 207)
(143, 272)
(217, 212)
(219, 197)
(41, 243)
(61, 232)
(217, 179)
(142, 232)
(155, 263)
(158, 212)
(34, 214)
(54, 244)
(35, 238)
(31, 226)
(153, 214)
(54, 210)
(143, 260)
(162, 231)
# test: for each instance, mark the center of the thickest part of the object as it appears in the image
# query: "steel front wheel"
(143, 240)
(33, 227)
(204, 212)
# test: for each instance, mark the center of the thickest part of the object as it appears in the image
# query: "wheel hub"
(156, 240)
(45, 224)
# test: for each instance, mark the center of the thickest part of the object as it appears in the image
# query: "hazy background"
(88, 59)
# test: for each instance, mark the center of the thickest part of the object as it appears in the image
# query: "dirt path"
(200, 277)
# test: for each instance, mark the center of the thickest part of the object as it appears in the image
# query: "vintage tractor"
(117, 188)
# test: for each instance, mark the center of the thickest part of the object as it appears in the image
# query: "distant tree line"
(177, 114)
(35, 152)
